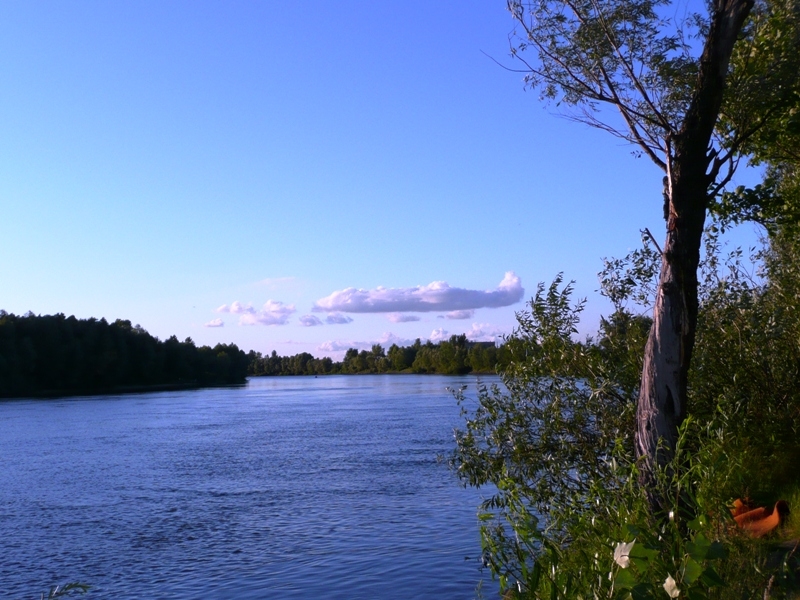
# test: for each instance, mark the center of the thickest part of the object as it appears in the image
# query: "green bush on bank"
(567, 518)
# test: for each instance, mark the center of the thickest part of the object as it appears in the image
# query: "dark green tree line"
(54, 354)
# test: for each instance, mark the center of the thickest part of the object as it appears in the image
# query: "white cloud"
(310, 321)
(436, 296)
(237, 308)
(215, 323)
(338, 319)
(438, 335)
(484, 332)
(386, 340)
(401, 318)
(460, 314)
(479, 332)
(337, 346)
(272, 313)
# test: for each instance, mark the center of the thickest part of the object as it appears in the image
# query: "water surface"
(289, 487)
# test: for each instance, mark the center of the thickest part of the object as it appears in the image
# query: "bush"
(566, 517)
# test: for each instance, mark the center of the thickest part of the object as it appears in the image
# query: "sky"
(298, 177)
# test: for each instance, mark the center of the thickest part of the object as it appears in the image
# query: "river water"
(288, 487)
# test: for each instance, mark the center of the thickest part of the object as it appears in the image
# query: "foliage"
(694, 93)
(763, 204)
(455, 356)
(745, 374)
(554, 448)
(56, 355)
(565, 410)
(566, 517)
(765, 93)
(764, 87)
(545, 443)
(642, 59)
(299, 364)
(618, 53)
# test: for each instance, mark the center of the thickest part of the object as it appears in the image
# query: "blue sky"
(306, 176)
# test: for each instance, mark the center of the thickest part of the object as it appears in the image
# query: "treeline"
(455, 356)
(58, 355)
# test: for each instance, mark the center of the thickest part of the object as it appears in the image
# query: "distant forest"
(54, 355)
(452, 357)
(58, 355)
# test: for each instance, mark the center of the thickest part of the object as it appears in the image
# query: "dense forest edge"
(54, 355)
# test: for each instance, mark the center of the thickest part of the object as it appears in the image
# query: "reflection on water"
(286, 488)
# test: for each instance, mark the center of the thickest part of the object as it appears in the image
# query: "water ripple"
(289, 487)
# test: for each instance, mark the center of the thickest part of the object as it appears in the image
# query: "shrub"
(566, 517)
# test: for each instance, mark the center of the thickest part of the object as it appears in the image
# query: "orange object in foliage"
(758, 522)
(739, 507)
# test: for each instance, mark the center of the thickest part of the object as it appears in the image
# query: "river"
(288, 487)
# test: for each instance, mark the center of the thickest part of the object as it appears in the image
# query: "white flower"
(621, 554)
(671, 587)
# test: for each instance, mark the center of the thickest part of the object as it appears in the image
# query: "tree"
(592, 55)
(397, 358)
(775, 203)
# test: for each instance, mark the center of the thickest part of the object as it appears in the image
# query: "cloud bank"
(436, 296)
(215, 323)
(272, 313)
(479, 332)
(386, 340)
(484, 332)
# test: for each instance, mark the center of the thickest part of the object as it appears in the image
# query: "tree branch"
(628, 68)
(632, 125)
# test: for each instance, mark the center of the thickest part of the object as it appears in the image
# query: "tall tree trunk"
(662, 397)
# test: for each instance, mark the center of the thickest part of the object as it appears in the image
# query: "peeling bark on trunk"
(662, 397)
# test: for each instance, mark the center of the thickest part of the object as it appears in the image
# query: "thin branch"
(502, 66)
(733, 163)
(632, 124)
(741, 138)
(588, 119)
(636, 81)
(597, 94)
(652, 239)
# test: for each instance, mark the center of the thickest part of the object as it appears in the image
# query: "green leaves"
(698, 523)
(625, 579)
(556, 443)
